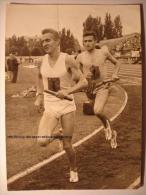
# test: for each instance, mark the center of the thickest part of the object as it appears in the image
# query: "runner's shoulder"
(69, 61)
(81, 56)
(104, 49)
(69, 58)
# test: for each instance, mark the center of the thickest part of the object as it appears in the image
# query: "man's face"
(89, 42)
(48, 42)
(12, 55)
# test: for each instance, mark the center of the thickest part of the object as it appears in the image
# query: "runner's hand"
(62, 94)
(89, 75)
(115, 77)
(39, 103)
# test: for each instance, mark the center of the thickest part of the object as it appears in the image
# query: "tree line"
(26, 46)
(108, 30)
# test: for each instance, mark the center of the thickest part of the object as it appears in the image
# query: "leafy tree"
(68, 33)
(108, 27)
(25, 51)
(15, 44)
(7, 47)
(77, 46)
(68, 42)
(21, 42)
(117, 31)
(88, 23)
(99, 29)
(36, 51)
(95, 25)
(108, 30)
(26, 46)
(14, 40)
(63, 40)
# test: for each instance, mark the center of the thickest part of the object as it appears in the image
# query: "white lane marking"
(133, 69)
(137, 72)
(135, 184)
(128, 75)
(131, 83)
(57, 155)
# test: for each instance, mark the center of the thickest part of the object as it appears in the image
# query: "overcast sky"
(29, 20)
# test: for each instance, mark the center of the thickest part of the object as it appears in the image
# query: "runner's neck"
(53, 57)
(91, 51)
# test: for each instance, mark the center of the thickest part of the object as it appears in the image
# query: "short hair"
(90, 33)
(53, 32)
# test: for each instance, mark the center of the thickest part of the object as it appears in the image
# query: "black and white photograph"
(73, 96)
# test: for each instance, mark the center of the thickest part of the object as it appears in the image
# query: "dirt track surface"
(99, 166)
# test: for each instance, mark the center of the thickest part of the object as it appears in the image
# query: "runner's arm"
(79, 63)
(39, 80)
(116, 63)
(77, 76)
(40, 89)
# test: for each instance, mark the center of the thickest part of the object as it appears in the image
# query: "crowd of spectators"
(129, 48)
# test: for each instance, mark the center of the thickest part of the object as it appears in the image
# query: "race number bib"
(95, 72)
(54, 84)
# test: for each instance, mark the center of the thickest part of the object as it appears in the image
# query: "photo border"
(141, 190)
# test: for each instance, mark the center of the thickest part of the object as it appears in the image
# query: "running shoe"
(113, 141)
(73, 176)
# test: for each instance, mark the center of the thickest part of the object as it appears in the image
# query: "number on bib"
(54, 84)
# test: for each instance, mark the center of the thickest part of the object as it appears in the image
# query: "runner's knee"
(97, 110)
(43, 141)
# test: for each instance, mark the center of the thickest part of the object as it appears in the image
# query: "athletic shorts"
(57, 107)
(92, 90)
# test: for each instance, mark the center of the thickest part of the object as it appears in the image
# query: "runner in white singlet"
(56, 78)
(57, 73)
